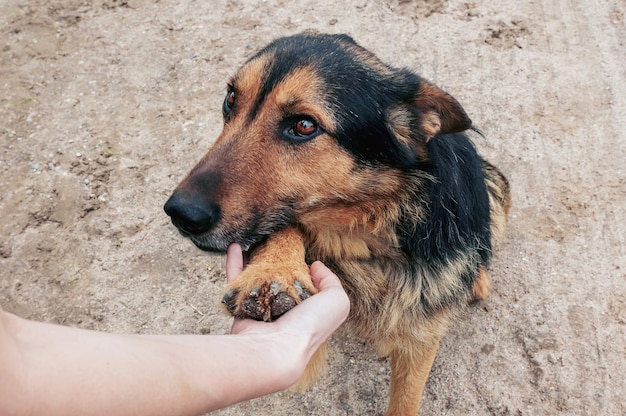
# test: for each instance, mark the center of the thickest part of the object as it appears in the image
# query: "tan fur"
(317, 365)
(481, 287)
(499, 200)
(399, 121)
(431, 123)
(248, 82)
(414, 368)
(300, 94)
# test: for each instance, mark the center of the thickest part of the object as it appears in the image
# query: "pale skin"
(56, 370)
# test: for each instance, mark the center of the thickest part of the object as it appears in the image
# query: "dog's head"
(310, 123)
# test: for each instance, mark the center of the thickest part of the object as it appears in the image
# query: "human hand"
(317, 317)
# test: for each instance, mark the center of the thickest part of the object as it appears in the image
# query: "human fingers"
(334, 296)
(323, 278)
(325, 311)
(234, 262)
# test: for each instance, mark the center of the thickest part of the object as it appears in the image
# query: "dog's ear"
(429, 113)
(439, 112)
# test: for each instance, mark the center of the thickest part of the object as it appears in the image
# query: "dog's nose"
(191, 217)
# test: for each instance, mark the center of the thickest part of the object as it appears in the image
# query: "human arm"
(56, 370)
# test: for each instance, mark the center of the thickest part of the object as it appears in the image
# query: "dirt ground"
(106, 104)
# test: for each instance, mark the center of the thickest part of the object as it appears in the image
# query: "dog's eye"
(305, 127)
(302, 129)
(229, 101)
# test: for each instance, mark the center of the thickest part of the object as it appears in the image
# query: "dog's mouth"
(218, 242)
(214, 239)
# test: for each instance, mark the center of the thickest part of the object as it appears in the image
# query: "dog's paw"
(264, 293)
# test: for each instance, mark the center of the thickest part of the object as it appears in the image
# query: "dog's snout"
(191, 216)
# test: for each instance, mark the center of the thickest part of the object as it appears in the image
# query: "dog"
(329, 154)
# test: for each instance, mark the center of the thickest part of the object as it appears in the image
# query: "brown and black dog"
(329, 154)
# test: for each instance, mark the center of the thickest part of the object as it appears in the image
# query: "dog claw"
(229, 295)
(230, 300)
(275, 288)
(303, 293)
(298, 287)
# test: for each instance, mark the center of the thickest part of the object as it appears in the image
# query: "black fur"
(458, 205)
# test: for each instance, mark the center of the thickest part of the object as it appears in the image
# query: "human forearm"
(73, 371)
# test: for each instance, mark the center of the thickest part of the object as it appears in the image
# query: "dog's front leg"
(276, 279)
(409, 371)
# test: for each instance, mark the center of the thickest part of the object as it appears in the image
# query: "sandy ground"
(105, 105)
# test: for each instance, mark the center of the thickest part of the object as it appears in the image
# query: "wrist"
(289, 352)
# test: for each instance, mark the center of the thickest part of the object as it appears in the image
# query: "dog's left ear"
(429, 113)
(439, 112)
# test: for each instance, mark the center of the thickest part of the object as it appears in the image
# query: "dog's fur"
(329, 154)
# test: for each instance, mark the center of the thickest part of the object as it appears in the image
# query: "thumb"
(234, 262)
(323, 278)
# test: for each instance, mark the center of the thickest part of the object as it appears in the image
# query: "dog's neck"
(350, 233)
(344, 230)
